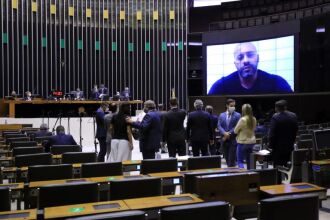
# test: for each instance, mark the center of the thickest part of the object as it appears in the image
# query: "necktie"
(228, 120)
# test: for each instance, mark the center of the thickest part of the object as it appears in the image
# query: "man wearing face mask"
(248, 79)
(226, 125)
(149, 129)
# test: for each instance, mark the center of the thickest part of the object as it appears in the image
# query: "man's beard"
(248, 71)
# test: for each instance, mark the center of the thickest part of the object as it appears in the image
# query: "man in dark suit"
(43, 131)
(282, 133)
(101, 131)
(103, 91)
(149, 129)
(214, 120)
(199, 130)
(226, 125)
(173, 130)
(95, 93)
(60, 139)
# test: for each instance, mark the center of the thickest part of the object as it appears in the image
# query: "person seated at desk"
(60, 139)
(95, 93)
(126, 94)
(28, 96)
(103, 90)
(79, 95)
(43, 131)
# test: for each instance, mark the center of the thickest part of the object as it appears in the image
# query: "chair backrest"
(305, 136)
(33, 159)
(14, 135)
(298, 158)
(267, 176)
(50, 172)
(15, 144)
(305, 144)
(195, 163)
(135, 188)
(159, 165)
(15, 139)
(60, 149)
(296, 207)
(41, 140)
(27, 150)
(66, 194)
(101, 169)
(5, 198)
(79, 157)
(206, 210)
(1, 175)
(125, 215)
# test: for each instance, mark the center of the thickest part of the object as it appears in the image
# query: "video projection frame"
(256, 33)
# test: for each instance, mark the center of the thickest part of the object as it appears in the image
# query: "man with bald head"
(149, 129)
(248, 79)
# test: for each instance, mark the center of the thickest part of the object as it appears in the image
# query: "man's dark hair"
(160, 107)
(104, 104)
(113, 107)
(230, 101)
(209, 109)
(125, 109)
(281, 105)
(174, 102)
(60, 129)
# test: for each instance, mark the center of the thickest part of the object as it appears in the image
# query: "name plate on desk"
(180, 198)
(106, 206)
(15, 215)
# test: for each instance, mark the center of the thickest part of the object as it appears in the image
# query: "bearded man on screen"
(248, 79)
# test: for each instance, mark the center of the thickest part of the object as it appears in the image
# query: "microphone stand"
(80, 129)
(95, 142)
(58, 118)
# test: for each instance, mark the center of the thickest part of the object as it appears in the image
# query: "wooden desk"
(169, 178)
(12, 104)
(84, 209)
(158, 202)
(20, 214)
(38, 184)
(294, 188)
(10, 127)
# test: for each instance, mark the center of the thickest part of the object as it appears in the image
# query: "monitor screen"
(322, 139)
(57, 93)
(254, 67)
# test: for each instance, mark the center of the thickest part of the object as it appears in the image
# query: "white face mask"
(231, 109)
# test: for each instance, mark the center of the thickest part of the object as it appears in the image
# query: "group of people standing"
(237, 131)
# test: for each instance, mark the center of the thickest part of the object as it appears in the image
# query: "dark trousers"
(229, 151)
(148, 154)
(199, 146)
(103, 149)
(176, 147)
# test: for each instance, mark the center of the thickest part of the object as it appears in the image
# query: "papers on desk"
(264, 152)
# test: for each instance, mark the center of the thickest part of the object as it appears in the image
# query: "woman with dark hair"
(121, 143)
(245, 130)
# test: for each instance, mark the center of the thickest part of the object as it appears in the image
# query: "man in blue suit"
(149, 129)
(101, 131)
(226, 125)
(60, 139)
(199, 130)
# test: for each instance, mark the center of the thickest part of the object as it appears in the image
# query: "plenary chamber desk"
(52, 108)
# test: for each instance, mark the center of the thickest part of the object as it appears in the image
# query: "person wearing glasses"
(248, 79)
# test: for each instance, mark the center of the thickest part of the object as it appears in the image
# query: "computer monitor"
(322, 139)
(57, 93)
